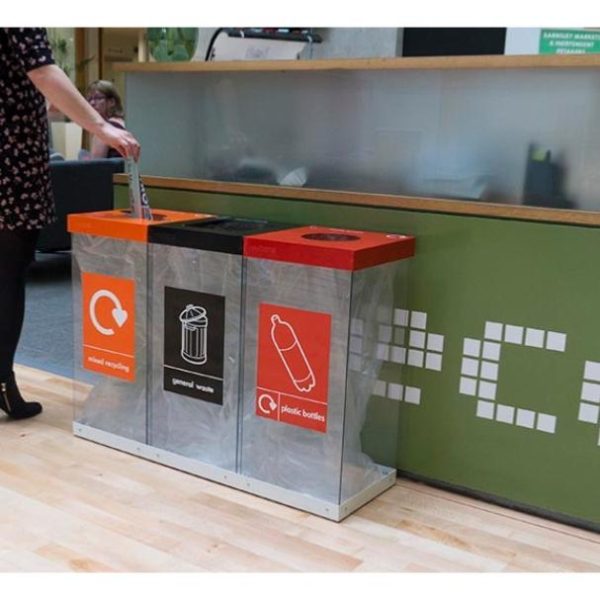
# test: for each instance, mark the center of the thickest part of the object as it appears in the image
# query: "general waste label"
(194, 334)
(108, 325)
(293, 366)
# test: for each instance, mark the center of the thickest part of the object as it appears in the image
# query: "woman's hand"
(119, 139)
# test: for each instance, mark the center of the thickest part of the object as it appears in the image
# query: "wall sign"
(108, 325)
(194, 334)
(293, 366)
(569, 41)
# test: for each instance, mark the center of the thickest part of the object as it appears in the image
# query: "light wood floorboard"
(71, 505)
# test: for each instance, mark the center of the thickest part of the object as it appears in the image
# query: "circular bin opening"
(331, 237)
(155, 217)
(231, 225)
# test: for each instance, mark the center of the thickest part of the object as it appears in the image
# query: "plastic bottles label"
(293, 366)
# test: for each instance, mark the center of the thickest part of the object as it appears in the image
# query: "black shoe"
(13, 404)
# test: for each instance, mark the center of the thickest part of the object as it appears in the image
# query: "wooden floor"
(71, 505)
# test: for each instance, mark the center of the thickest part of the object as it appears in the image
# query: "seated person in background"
(103, 96)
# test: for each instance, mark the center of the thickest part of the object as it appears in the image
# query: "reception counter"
(491, 378)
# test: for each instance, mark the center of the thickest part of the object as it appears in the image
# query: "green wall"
(468, 271)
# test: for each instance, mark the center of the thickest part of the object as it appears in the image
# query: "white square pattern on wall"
(407, 342)
(480, 370)
(424, 350)
(589, 407)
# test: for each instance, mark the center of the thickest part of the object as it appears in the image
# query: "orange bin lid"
(328, 247)
(119, 224)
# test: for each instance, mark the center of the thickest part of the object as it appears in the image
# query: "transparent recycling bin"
(197, 279)
(110, 278)
(315, 299)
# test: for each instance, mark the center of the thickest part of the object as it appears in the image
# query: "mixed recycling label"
(293, 366)
(108, 311)
(194, 336)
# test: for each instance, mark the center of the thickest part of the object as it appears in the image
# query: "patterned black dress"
(25, 191)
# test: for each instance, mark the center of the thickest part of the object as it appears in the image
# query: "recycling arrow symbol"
(119, 314)
(266, 404)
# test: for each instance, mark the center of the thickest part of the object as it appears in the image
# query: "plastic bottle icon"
(292, 354)
(194, 324)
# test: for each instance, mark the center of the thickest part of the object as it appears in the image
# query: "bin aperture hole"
(155, 217)
(229, 225)
(331, 237)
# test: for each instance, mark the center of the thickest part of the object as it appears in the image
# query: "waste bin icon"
(197, 276)
(194, 323)
(110, 279)
(316, 299)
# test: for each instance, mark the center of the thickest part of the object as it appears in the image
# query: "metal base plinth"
(334, 512)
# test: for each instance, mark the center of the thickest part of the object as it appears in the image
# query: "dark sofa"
(78, 186)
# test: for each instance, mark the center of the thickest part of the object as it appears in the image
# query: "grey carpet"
(47, 337)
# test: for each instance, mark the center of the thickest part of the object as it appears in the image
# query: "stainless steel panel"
(101, 401)
(188, 426)
(292, 457)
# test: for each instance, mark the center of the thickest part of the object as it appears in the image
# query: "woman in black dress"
(27, 75)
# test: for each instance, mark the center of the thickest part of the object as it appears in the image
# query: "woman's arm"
(98, 149)
(52, 82)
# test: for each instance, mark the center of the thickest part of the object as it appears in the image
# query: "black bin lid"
(219, 234)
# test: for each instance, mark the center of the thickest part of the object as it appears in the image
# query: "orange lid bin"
(120, 224)
(345, 249)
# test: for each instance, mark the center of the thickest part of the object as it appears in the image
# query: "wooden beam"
(421, 204)
(80, 56)
(100, 53)
(370, 64)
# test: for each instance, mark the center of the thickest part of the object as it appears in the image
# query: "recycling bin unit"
(315, 300)
(197, 277)
(110, 278)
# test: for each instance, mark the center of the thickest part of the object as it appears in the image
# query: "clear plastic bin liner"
(194, 283)
(329, 465)
(371, 309)
(104, 402)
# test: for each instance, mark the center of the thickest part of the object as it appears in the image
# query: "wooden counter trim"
(366, 64)
(437, 205)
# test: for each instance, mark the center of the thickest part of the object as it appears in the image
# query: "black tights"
(17, 250)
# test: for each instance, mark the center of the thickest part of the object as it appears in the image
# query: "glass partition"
(512, 136)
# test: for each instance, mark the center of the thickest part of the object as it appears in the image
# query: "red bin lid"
(346, 249)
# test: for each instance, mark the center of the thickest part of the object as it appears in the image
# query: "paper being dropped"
(138, 199)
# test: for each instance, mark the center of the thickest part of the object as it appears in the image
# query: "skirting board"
(334, 512)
